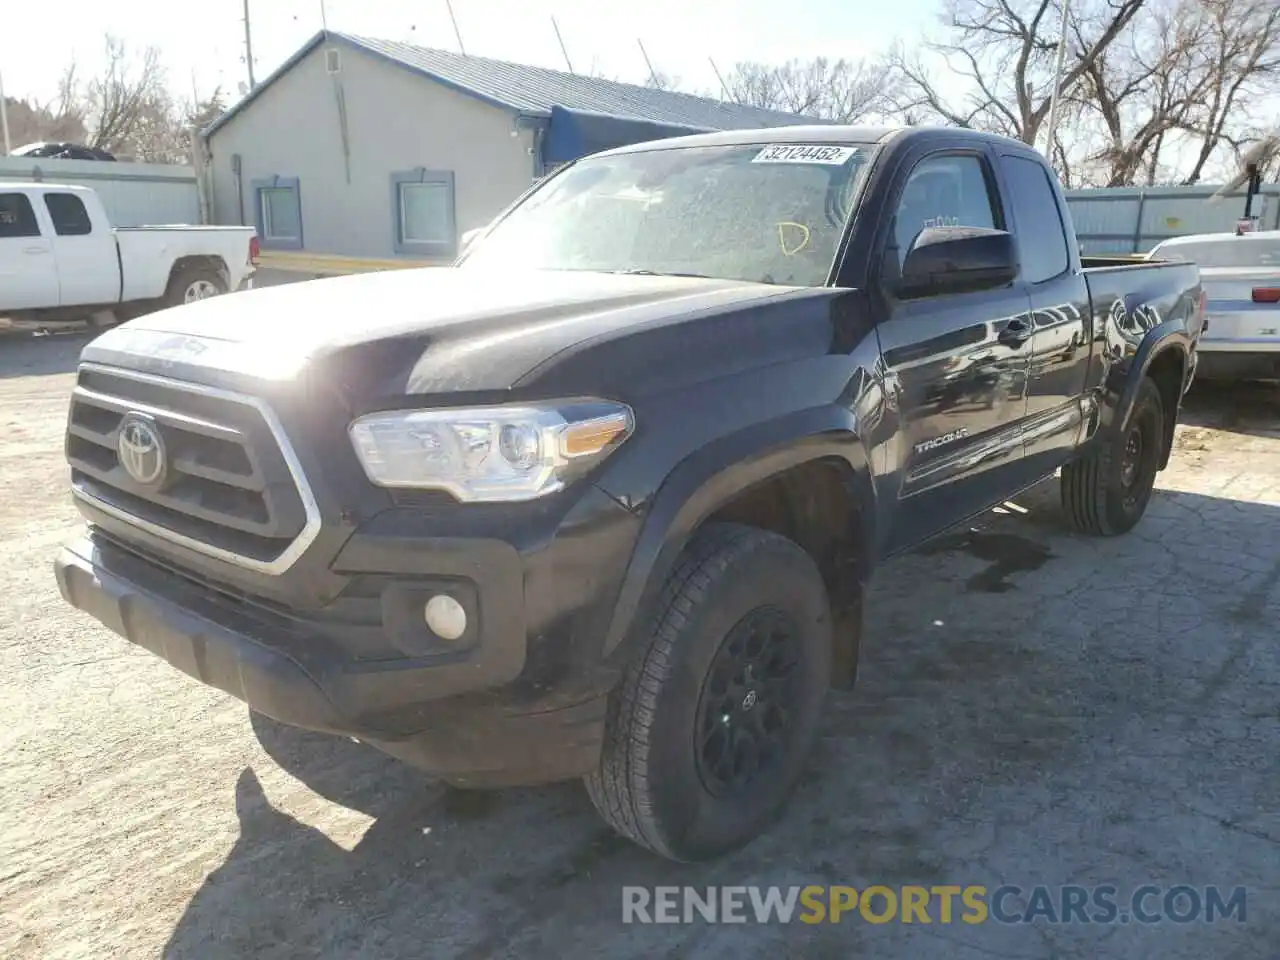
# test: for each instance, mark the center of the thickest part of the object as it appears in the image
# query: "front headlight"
(500, 453)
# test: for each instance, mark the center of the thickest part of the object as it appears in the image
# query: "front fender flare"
(710, 477)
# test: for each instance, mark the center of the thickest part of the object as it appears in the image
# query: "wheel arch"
(209, 261)
(1164, 356)
(807, 464)
(1167, 369)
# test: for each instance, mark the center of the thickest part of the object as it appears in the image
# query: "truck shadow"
(483, 865)
(34, 353)
(1073, 675)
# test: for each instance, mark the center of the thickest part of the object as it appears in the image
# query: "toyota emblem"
(140, 449)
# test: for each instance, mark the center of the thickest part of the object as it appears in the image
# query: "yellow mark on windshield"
(791, 249)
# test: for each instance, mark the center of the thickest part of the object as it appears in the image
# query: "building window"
(423, 213)
(278, 205)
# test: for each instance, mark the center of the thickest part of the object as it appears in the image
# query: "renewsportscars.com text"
(972, 904)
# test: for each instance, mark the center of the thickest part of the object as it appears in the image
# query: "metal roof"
(533, 91)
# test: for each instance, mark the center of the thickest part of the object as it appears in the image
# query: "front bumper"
(270, 679)
(437, 710)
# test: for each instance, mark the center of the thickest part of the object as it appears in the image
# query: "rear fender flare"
(1126, 376)
(710, 477)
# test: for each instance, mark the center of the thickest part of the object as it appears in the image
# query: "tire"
(194, 283)
(1106, 493)
(737, 595)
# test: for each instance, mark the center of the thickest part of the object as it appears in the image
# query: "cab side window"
(944, 191)
(1041, 237)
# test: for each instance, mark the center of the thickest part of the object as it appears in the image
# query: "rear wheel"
(1107, 492)
(194, 283)
(708, 732)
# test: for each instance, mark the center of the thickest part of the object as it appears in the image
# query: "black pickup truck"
(601, 501)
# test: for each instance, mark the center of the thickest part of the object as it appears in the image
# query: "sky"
(202, 43)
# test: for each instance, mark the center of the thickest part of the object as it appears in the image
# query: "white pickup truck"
(60, 258)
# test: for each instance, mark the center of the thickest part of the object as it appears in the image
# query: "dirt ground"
(1034, 708)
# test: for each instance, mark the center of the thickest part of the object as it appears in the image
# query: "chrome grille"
(232, 489)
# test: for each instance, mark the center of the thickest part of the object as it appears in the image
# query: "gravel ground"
(1034, 708)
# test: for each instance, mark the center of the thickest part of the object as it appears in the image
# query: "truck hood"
(417, 331)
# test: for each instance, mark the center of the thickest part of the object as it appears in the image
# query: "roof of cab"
(45, 185)
(811, 134)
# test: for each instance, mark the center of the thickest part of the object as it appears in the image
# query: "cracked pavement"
(1034, 707)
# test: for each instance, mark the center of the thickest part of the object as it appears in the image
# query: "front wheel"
(708, 732)
(1107, 492)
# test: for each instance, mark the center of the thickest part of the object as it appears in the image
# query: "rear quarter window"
(1041, 236)
(70, 218)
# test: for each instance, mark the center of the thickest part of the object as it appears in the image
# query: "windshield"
(767, 213)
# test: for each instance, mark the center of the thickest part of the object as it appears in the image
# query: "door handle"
(35, 250)
(1015, 333)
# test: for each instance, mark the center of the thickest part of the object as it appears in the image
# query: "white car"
(1241, 278)
(60, 258)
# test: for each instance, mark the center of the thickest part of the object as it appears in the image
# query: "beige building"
(368, 148)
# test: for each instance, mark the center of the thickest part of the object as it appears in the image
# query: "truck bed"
(184, 227)
(1138, 295)
(1112, 260)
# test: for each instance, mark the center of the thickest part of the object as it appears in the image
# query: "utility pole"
(456, 32)
(4, 119)
(248, 46)
(723, 86)
(1057, 80)
(556, 27)
(653, 77)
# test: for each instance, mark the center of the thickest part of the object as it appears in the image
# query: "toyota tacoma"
(602, 499)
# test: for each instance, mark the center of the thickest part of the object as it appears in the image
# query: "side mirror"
(958, 260)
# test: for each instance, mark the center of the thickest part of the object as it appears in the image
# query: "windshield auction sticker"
(804, 153)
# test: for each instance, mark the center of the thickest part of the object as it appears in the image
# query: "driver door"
(955, 363)
(28, 270)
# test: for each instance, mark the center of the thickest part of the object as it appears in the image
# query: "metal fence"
(135, 194)
(1135, 219)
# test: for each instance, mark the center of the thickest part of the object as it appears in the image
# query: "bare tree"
(1239, 61)
(31, 122)
(1174, 95)
(127, 101)
(841, 90)
(126, 109)
(1002, 52)
(1143, 89)
(1153, 91)
(61, 120)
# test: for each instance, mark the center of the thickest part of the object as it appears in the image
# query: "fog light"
(446, 617)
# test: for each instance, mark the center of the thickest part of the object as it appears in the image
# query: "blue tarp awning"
(575, 133)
